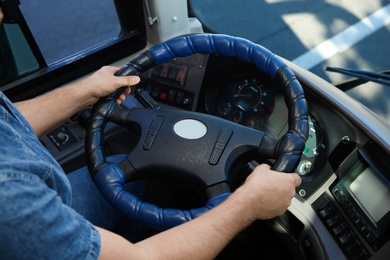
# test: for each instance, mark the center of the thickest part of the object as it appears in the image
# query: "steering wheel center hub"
(190, 129)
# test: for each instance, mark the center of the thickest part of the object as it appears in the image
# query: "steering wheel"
(189, 148)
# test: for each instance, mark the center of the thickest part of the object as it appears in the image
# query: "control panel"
(66, 142)
(341, 230)
(168, 94)
(177, 82)
(355, 216)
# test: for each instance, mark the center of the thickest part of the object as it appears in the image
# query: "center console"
(357, 213)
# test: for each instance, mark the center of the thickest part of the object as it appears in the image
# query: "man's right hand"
(269, 192)
(265, 194)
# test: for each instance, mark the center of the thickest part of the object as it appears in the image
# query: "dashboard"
(342, 165)
(337, 177)
(239, 93)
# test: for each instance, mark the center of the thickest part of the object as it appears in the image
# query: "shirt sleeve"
(36, 224)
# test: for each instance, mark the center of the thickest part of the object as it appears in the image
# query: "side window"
(16, 56)
(50, 43)
(64, 28)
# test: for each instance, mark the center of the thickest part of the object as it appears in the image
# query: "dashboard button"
(215, 155)
(153, 131)
(326, 211)
(222, 140)
(332, 220)
(148, 141)
(163, 95)
(337, 230)
(346, 237)
(352, 248)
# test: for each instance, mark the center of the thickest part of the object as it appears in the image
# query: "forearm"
(205, 236)
(264, 195)
(201, 238)
(51, 109)
(47, 111)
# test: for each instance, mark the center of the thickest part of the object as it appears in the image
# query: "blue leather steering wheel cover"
(110, 181)
(225, 45)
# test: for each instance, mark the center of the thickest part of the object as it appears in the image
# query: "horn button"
(190, 129)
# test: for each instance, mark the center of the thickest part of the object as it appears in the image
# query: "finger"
(120, 99)
(123, 80)
(297, 179)
(127, 90)
(265, 166)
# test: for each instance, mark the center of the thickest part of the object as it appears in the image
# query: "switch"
(326, 211)
(62, 137)
(181, 76)
(164, 71)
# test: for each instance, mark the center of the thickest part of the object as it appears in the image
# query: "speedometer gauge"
(248, 96)
(246, 101)
(228, 111)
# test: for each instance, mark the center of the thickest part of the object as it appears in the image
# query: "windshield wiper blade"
(377, 77)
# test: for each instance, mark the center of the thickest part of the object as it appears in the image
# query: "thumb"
(297, 179)
(130, 80)
(135, 80)
(126, 81)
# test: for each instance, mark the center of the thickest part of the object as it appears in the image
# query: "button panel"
(168, 94)
(171, 73)
(340, 229)
(359, 223)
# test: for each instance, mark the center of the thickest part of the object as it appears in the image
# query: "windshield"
(375, 97)
(313, 35)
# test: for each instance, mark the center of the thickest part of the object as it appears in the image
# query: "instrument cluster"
(246, 101)
(253, 100)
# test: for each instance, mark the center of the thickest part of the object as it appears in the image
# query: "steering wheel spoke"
(198, 160)
(217, 189)
(268, 147)
(120, 116)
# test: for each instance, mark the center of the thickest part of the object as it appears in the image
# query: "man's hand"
(51, 109)
(103, 82)
(265, 194)
(269, 192)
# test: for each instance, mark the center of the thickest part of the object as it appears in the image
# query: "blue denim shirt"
(36, 220)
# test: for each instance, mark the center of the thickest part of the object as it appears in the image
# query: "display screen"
(372, 194)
